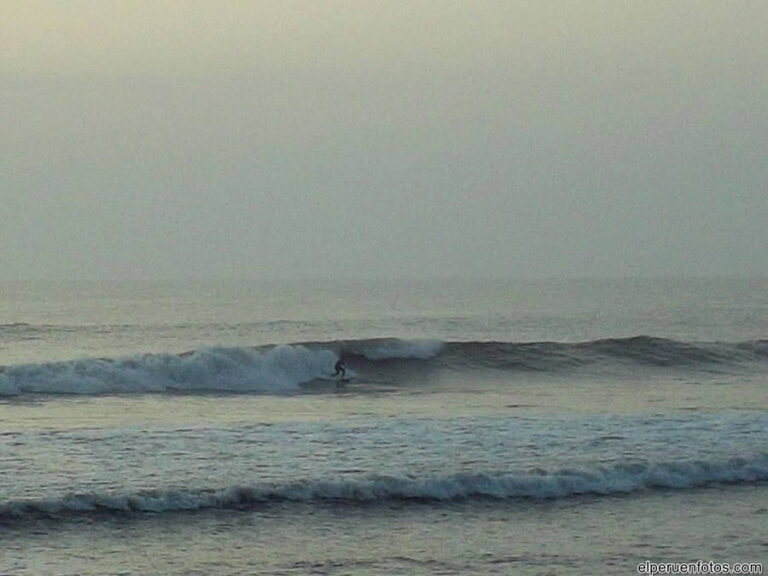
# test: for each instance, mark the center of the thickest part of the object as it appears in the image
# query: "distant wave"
(637, 351)
(536, 485)
(20, 330)
(620, 355)
(283, 369)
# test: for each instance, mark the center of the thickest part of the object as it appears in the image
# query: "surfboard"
(336, 379)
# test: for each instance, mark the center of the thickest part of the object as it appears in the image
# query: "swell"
(637, 351)
(288, 368)
(619, 479)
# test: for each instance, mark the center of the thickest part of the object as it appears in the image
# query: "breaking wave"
(284, 369)
(271, 369)
(535, 485)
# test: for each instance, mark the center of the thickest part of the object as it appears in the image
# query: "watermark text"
(699, 567)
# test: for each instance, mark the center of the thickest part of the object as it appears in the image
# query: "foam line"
(566, 483)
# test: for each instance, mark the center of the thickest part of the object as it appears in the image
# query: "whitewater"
(495, 427)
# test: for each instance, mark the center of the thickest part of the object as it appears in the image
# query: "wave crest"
(270, 370)
(278, 370)
(536, 485)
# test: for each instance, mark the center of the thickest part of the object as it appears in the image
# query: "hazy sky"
(298, 138)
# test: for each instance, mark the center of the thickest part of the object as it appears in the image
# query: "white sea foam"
(277, 370)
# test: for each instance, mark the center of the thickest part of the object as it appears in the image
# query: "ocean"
(487, 427)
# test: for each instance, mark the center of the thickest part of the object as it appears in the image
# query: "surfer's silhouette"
(340, 368)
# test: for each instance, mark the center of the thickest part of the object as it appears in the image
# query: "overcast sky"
(414, 138)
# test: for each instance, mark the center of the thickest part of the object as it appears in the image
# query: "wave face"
(535, 485)
(636, 351)
(285, 368)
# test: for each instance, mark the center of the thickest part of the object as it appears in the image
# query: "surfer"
(340, 368)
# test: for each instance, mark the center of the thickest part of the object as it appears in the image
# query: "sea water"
(495, 427)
